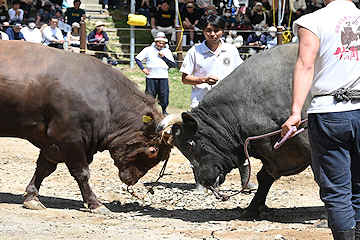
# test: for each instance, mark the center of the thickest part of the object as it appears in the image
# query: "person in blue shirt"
(14, 32)
(257, 39)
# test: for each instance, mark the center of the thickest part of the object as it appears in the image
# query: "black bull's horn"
(169, 120)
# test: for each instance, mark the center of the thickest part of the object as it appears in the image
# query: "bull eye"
(152, 152)
(191, 143)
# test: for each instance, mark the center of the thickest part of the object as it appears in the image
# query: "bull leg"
(82, 175)
(43, 169)
(257, 204)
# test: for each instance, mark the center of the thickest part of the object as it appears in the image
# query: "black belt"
(344, 95)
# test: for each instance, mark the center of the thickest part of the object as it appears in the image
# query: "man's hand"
(211, 80)
(146, 71)
(161, 54)
(293, 120)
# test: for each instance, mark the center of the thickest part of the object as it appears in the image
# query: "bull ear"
(189, 122)
(149, 122)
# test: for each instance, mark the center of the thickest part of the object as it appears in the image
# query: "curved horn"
(168, 121)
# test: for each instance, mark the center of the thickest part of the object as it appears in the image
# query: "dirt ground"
(174, 211)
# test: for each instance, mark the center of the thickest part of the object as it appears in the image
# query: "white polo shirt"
(158, 67)
(200, 61)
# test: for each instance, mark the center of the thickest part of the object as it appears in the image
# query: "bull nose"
(127, 178)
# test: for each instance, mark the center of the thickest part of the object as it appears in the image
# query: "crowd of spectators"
(239, 15)
(54, 24)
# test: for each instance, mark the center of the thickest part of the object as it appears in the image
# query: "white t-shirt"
(32, 35)
(337, 64)
(200, 61)
(49, 34)
(157, 66)
(13, 17)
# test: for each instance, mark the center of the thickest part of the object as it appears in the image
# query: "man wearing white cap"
(258, 16)
(158, 61)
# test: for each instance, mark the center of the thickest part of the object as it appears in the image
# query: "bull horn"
(168, 121)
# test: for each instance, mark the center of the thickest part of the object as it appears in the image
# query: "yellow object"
(136, 20)
(146, 119)
(286, 36)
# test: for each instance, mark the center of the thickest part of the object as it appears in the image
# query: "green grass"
(179, 93)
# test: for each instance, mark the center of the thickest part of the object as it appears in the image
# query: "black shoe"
(165, 113)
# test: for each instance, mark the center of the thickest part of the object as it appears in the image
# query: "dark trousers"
(158, 87)
(335, 151)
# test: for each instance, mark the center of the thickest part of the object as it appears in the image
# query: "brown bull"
(71, 106)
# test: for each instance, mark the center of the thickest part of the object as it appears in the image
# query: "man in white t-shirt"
(31, 33)
(158, 61)
(52, 35)
(328, 64)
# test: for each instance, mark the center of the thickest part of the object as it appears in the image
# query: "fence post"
(82, 37)
(279, 35)
(180, 47)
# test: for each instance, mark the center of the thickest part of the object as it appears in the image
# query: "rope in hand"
(279, 143)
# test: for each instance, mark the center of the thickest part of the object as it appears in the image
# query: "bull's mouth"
(128, 177)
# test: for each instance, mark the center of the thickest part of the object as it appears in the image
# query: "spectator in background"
(44, 14)
(3, 36)
(257, 39)
(26, 6)
(75, 14)
(52, 35)
(298, 8)
(317, 4)
(229, 20)
(31, 33)
(210, 10)
(243, 21)
(271, 38)
(202, 5)
(164, 21)
(190, 18)
(64, 27)
(14, 32)
(158, 61)
(15, 13)
(4, 15)
(73, 38)
(97, 40)
(258, 17)
(143, 7)
(234, 39)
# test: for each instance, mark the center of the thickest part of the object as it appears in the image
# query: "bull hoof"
(101, 210)
(34, 205)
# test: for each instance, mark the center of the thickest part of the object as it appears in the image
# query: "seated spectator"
(26, 6)
(31, 33)
(317, 4)
(16, 14)
(64, 27)
(52, 35)
(257, 39)
(75, 14)
(258, 17)
(164, 21)
(202, 5)
(14, 32)
(190, 18)
(271, 39)
(97, 40)
(4, 15)
(44, 14)
(298, 8)
(234, 39)
(229, 20)
(3, 36)
(210, 10)
(143, 7)
(73, 38)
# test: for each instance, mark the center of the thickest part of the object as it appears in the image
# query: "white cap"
(160, 36)
(272, 29)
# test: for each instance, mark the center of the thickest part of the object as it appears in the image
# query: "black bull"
(71, 106)
(254, 99)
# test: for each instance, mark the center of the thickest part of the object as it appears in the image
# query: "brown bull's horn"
(168, 121)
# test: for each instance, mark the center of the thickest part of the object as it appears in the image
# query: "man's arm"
(192, 80)
(303, 76)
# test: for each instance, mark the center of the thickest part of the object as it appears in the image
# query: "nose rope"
(151, 189)
(279, 143)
